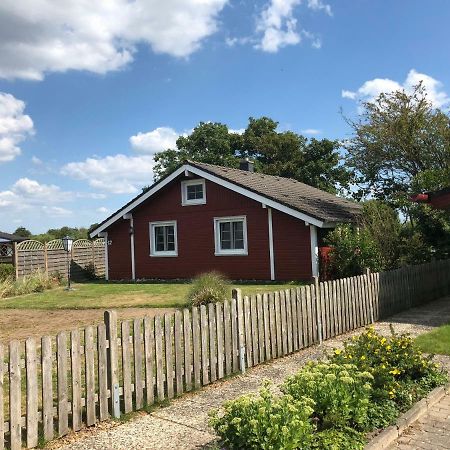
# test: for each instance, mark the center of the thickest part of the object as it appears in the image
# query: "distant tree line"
(56, 233)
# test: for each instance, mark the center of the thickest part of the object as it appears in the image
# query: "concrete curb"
(390, 434)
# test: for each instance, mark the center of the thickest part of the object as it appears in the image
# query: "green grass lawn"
(119, 295)
(436, 341)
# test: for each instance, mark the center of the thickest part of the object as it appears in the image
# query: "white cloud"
(102, 210)
(98, 36)
(15, 126)
(118, 174)
(26, 194)
(318, 5)
(160, 138)
(371, 89)
(56, 211)
(35, 160)
(312, 131)
(277, 24)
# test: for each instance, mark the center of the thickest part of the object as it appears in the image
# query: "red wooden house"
(204, 217)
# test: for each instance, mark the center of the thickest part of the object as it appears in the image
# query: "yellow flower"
(388, 347)
(337, 352)
(363, 357)
(395, 371)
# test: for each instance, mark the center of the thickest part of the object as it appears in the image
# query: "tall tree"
(22, 232)
(398, 139)
(401, 146)
(287, 154)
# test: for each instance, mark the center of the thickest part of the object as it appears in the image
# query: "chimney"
(247, 165)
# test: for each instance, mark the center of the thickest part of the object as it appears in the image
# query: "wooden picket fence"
(86, 376)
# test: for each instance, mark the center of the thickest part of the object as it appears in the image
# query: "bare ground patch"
(23, 323)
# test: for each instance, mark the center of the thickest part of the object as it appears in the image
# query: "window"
(193, 192)
(163, 239)
(230, 235)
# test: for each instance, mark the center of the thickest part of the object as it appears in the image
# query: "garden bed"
(340, 403)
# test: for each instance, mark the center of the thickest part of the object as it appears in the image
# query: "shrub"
(338, 439)
(352, 251)
(207, 288)
(6, 271)
(36, 282)
(340, 393)
(265, 422)
(391, 360)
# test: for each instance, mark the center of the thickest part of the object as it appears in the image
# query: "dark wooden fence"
(85, 376)
(50, 257)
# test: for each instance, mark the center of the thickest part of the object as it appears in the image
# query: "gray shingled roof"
(299, 196)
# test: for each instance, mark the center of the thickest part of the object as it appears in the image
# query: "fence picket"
(169, 354)
(126, 367)
(159, 359)
(63, 413)
(204, 340)
(234, 335)
(137, 351)
(47, 387)
(15, 396)
(272, 326)
(266, 327)
(248, 332)
(75, 357)
(284, 335)
(110, 318)
(187, 341)
(259, 309)
(295, 344)
(102, 372)
(212, 342)
(287, 296)
(220, 343)
(90, 375)
(196, 352)
(149, 349)
(32, 393)
(178, 342)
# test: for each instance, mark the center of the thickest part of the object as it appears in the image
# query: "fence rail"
(84, 376)
(50, 257)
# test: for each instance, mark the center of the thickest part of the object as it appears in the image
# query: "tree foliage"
(288, 154)
(22, 232)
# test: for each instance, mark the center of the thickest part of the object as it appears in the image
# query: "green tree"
(22, 232)
(399, 142)
(287, 154)
(401, 146)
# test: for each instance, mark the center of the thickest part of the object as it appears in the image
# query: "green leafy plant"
(265, 422)
(352, 251)
(340, 393)
(391, 360)
(6, 271)
(338, 439)
(207, 288)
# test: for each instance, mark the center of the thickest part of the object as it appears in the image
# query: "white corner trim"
(104, 235)
(271, 251)
(215, 179)
(314, 251)
(153, 251)
(239, 252)
(185, 184)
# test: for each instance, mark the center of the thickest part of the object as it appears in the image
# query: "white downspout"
(271, 251)
(133, 264)
(314, 251)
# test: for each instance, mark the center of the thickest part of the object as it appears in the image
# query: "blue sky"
(89, 92)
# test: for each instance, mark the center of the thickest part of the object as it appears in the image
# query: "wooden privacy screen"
(85, 376)
(50, 257)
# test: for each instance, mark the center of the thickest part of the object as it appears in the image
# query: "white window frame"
(230, 252)
(152, 226)
(198, 201)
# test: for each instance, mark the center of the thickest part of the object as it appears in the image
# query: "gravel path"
(184, 423)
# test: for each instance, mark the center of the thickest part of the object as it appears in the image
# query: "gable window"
(193, 192)
(163, 239)
(230, 234)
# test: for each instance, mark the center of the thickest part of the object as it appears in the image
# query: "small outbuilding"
(6, 246)
(203, 217)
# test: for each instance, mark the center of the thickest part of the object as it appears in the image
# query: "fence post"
(45, 258)
(110, 318)
(236, 294)
(368, 293)
(16, 260)
(318, 308)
